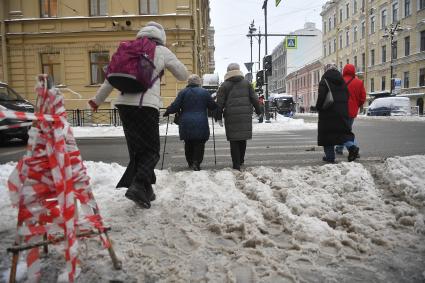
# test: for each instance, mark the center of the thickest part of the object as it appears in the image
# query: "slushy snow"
(333, 223)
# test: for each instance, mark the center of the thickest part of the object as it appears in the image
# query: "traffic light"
(267, 64)
(260, 78)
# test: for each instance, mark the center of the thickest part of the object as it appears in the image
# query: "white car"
(389, 106)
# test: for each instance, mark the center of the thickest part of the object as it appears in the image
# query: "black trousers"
(141, 129)
(194, 151)
(237, 150)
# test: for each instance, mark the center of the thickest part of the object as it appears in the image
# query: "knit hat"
(233, 66)
(194, 79)
(153, 30)
(330, 66)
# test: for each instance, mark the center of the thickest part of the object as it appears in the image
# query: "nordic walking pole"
(215, 156)
(165, 142)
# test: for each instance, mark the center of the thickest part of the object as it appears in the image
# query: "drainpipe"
(195, 38)
(4, 52)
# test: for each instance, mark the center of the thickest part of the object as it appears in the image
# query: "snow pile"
(312, 224)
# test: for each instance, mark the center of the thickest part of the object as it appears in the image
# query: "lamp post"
(390, 31)
(266, 77)
(251, 31)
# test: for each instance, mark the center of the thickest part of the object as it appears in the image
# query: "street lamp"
(390, 31)
(251, 34)
(251, 31)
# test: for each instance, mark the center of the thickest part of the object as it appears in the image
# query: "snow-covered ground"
(343, 222)
(281, 123)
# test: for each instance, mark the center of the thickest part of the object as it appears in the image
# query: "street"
(377, 139)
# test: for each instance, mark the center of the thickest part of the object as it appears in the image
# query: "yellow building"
(375, 36)
(73, 40)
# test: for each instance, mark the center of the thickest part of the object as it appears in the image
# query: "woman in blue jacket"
(192, 102)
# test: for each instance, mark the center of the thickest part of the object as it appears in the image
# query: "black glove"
(166, 113)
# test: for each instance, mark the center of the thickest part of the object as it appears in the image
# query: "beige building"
(303, 85)
(375, 34)
(74, 39)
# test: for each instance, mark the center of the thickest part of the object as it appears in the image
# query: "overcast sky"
(231, 20)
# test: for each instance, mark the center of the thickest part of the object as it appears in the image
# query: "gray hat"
(330, 66)
(233, 66)
(194, 79)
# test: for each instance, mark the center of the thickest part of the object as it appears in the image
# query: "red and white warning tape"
(48, 180)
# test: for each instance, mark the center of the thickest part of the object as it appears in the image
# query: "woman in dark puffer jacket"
(193, 102)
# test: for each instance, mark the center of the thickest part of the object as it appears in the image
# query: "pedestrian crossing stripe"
(291, 42)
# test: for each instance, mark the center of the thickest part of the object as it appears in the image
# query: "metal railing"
(103, 117)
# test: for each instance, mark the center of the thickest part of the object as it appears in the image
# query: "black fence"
(103, 117)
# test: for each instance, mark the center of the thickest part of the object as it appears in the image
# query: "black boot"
(138, 193)
(196, 166)
(353, 153)
(150, 192)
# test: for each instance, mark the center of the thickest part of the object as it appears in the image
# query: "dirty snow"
(333, 223)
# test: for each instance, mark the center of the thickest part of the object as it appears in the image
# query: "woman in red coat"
(356, 99)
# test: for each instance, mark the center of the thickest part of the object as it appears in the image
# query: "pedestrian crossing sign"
(291, 42)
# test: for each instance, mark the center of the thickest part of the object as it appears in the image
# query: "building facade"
(289, 60)
(380, 37)
(303, 85)
(72, 40)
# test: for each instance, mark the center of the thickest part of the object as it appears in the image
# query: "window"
(363, 29)
(347, 61)
(324, 50)
(324, 27)
(372, 24)
(149, 7)
(354, 6)
(407, 46)
(421, 4)
(407, 10)
(48, 8)
(335, 20)
(394, 50)
(384, 54)
(422, 77)
(330, 47)
(340, 15)
(340, 66)
(330, 23)
(372, 85)
(347, 10)
(98, 7)
(383, 19)
(423, 40)
(355, 62)
(363, 61)
(98, 60)
(355, 34)
(334, 44)
(383, 83)
(347, 37)
(395, 12)
(372, 57)
(340, 40)
(406, 80)
(50, 64)
(363, 6)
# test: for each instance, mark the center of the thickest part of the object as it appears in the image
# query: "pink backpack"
(131, 67)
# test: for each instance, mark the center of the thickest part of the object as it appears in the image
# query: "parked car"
(284, 104)
(389, 106)
(10, 100)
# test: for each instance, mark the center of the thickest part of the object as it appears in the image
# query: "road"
(377, 139)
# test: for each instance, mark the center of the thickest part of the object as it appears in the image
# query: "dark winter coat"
(235, 99)
(356, 90)
(193, 102)
(334, 123)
